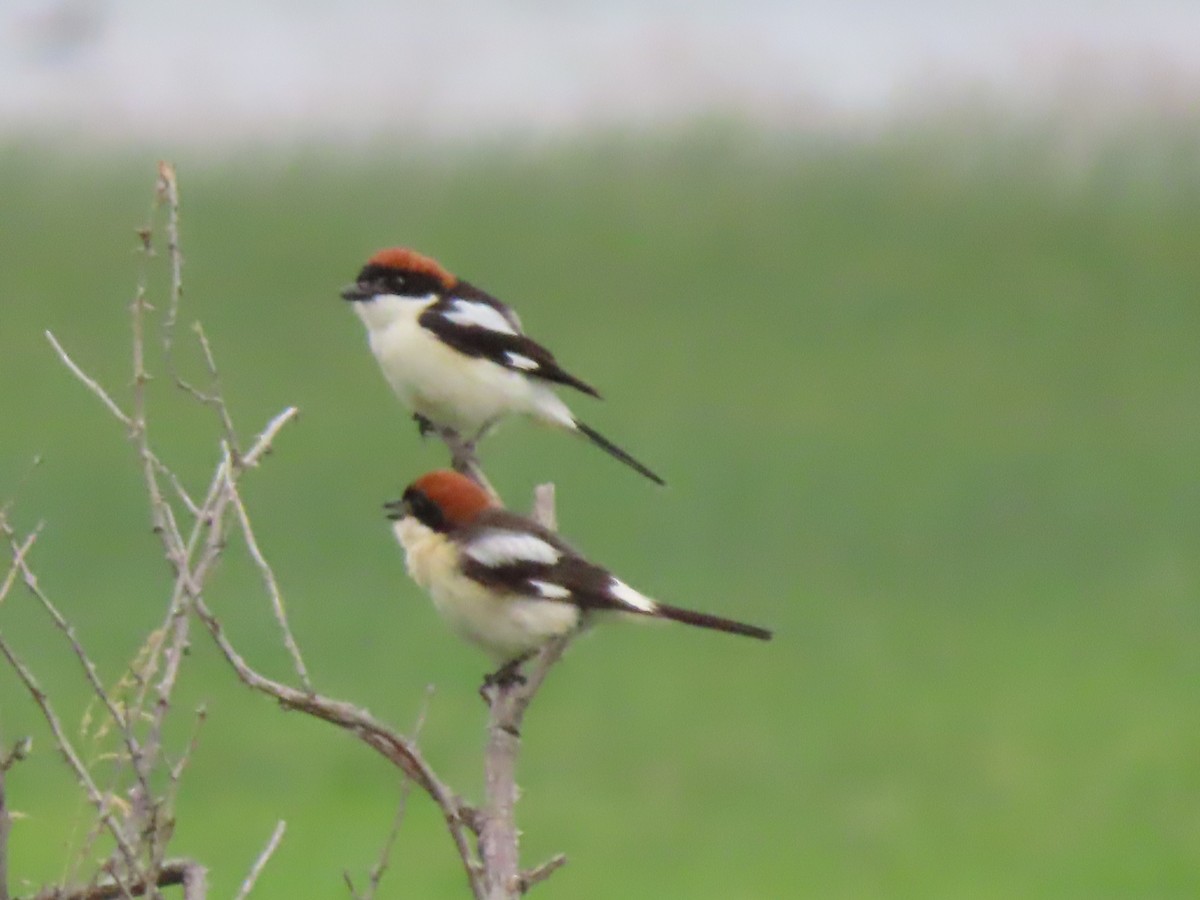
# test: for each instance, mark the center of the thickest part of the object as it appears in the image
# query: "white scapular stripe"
(550, 590)
(501, 548)
(470, 312)
(630, 597)
(522, 362)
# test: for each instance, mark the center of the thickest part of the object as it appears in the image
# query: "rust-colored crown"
(408, 260)
(459, 498)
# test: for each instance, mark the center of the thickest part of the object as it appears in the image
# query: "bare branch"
(111, 405)
(162, 515)
(261, 861)
(118, 883)
(168, 644)
(175, 777)
(68, 752)
(183, 872)
(192, 549)
(95, 795)
(262, 443)
(18, 753)
(269, 582)
(195, 882)
(168, 194)
(214, 399)
(167, 528)
(541, 873)
(90, 383)
(189, 577)
(499, 838)
(144, 805)
(140, 829)
(381, 866)
(186, 757)
(399, 750)
(19, 554)
(89, 668)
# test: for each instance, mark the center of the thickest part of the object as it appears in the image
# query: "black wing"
(510, 553)
(507, 552)
(479, 325)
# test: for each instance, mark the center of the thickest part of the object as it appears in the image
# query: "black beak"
(396, 509)
(357, 292)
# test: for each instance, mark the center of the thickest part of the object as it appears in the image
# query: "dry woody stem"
(132, 792)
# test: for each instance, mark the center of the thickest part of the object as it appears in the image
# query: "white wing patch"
(479, 315)
(502, 548)
(516, 360)
(550, 590)
(630, 597)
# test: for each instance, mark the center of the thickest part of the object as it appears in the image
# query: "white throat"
(385, 310)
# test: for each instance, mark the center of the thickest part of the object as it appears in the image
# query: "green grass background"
(929, 405)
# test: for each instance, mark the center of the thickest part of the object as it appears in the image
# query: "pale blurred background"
(903, 300)
(224, 72)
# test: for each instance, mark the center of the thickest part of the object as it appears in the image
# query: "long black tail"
(613, 450)
(704, 620)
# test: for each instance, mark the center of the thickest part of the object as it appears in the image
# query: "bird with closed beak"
(458, 357)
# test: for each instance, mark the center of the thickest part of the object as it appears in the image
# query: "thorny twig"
(492, 869)
(162, 514)
(140, 828)
(168, 196)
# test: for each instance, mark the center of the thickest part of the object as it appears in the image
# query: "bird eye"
(425, 510)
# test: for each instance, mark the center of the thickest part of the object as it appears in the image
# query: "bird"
(504, 582)
(458, 357)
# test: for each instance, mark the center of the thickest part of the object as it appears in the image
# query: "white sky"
(355, 70)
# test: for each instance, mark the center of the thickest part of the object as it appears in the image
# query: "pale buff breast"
(505, 626)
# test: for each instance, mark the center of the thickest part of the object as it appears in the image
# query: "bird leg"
(424, 426)
(505, 676)
(496, 683)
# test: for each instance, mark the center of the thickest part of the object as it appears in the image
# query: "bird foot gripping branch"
(508, 674)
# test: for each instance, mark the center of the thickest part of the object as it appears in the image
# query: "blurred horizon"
(223, 74)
